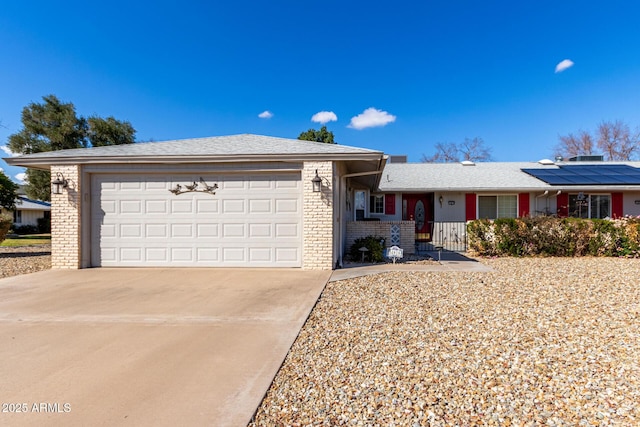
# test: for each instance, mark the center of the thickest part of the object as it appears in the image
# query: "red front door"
(419, 208)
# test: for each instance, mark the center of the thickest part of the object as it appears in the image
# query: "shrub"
(44, 225)
(555, 237)
(373, 243)
(5, 225)
(26, 229)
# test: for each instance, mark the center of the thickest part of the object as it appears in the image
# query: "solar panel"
(588, 175)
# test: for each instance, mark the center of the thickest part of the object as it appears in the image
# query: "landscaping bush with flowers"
(549, 236)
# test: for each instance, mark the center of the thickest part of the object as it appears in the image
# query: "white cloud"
(266, 114)
(324, 117)
(21, 178)
(371, 117)
(7, 150)
(563, 65)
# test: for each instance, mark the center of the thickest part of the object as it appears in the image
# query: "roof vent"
(546, 162)
(398, 159)
(587, 158)
(467, 163)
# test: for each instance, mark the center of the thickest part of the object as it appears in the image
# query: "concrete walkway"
(449, 262)
(147, 347)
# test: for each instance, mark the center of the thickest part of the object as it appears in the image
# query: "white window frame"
(373, 205)
(497, 196)
(588, 204)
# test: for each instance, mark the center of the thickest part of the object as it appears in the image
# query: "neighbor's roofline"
(43, 162)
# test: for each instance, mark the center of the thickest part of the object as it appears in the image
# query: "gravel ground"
(538, 341)
(24, 259)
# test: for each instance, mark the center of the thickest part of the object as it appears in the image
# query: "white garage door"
(252, 220)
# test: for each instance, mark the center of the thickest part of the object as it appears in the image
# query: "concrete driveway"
(147, 346)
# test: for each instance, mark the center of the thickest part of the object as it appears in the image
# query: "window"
(17, 217)
(492, 207)
(589, 205)
(376, 204)
(359, 205)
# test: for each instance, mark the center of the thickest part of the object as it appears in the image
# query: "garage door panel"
(260, 206)
(208, 230)
(290, 206)
(128, 231)
(287, 254)
(260, 231)
(156, 207)
(251, 221)
(233, 206)
(156, 231)
(181, 206)
(207, 206)
(208, 255)
(157, 254)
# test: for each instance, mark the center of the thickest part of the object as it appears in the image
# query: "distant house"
(29, 211)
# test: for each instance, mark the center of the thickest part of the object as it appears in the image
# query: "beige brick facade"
(318, 218)
(317, 235)
(359, 229)
(66, 219)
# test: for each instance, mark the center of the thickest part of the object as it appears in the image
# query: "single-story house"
(28, 211)
(258, 201)
(231, 201)
(441, 197)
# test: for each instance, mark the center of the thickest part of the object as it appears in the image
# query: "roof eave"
(46, 162)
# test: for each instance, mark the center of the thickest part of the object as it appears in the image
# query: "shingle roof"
(232, 146)
(505, 176)
(26, 204)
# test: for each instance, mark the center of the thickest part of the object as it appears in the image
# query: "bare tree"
(613, 139)
(475, 150)
(616, 140)
(575, 145)
(446, 152)
(450, 152)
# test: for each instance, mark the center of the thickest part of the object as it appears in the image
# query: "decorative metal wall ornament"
(196, 187)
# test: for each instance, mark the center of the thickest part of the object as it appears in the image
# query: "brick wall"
(359, 229)
(65, 219)
(317, 250)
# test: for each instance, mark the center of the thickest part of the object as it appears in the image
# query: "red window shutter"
(523, 205)
(563, 205)
(390, 204)
(617, 209)
(470, 206)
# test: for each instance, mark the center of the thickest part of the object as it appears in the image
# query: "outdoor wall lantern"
(317, 183)
(441, 199)
(59, 183)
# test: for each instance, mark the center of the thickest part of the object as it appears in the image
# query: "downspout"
(555, 195)
(546, 193)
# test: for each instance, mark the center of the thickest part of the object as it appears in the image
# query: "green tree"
(322, 135)
(109, 131)
(7, 192)
(54, 125)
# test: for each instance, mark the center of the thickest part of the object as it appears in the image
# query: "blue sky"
(428, 71)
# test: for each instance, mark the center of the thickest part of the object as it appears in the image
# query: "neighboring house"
(249, 201)
(28, 211)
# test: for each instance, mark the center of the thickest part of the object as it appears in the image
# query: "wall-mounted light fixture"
(59, 183)
(317, 182)
(441, 199)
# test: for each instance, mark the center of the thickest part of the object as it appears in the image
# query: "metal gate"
(448, 236)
